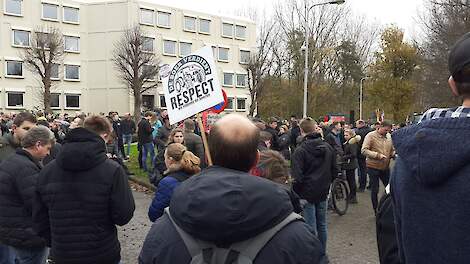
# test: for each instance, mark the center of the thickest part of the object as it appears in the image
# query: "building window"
(241, 104)
(227, 30)
(146, 16)
(228, 79)
(185, 48)
(71, 15)
(162, 101)
(72, 72)
(147, 44)
(244, 56)
(55, 100)
(169, 47)
(72, 101)
(55, 71)
(229, 103)
(148, 101)
(204, 26)
(21, 38)
(15, 99)
(72, 44)
(13, 7)
(14, 68)
(163, 19)
(241, 80)
(189, 23)
(223, 54)
(240, 32)
(50, 12)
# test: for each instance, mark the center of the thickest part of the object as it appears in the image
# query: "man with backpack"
(225, 215)
(313, 168)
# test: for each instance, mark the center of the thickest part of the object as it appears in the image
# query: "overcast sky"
(403, 13)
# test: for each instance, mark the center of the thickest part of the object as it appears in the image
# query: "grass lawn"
(133, 164)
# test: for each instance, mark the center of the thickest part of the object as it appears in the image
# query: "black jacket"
(128, 127)
(144, 133)
(294, 134)
(284, 144)
(363, 131)
(80, 198)
(18, 176)
(194, 144)
(237, 207)
(275, 138)
(313, 168)
(351, 153)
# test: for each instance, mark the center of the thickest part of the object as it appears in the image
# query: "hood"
(434, 150)
(9, 139)
(81, 150)
(354, 140)
(224, 206)
(313, 144)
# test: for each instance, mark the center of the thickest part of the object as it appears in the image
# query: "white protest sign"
(191, 85)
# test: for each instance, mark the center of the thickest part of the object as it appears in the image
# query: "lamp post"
(307, 10)
(361, 94)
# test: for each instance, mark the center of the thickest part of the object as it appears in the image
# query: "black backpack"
(386, 236)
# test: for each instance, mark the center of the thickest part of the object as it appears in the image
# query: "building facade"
(87, 80)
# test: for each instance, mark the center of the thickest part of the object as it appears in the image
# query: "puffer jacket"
(18, 176)
(164, 192)
(350, 153)
(80, 198)
(225, 206)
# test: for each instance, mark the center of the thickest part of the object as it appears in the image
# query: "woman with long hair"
(350, 163)
(181, 164)
(176, 136)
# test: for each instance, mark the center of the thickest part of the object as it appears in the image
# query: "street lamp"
(361, 94)
(307, 10)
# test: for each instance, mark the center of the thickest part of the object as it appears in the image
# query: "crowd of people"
(261, 198)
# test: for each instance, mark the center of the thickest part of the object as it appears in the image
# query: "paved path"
(351, 237)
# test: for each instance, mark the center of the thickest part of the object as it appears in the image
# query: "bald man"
(224, 205)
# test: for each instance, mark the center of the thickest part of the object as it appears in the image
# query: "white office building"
(87, 80)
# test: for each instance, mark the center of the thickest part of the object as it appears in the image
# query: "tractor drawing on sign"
(188, 75)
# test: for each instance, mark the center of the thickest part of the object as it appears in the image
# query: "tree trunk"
(47, 95)
(137, 105)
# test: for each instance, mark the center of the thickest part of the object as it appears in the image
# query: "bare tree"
(136, 65)
(45, 52)
(260, 63)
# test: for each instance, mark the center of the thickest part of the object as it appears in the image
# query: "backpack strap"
(250, 248)
(198, 249)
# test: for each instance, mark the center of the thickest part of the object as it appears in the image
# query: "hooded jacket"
(80, 198)
(350, 153)
(313, 168)
(18, 175)
(430, 185)
(225, 206)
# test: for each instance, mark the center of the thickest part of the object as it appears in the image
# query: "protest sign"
(191, 85)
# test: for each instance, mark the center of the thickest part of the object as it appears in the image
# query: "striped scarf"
(435, 113)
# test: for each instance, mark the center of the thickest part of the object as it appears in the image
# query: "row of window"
(240, 79)
(170, 48)
(238, 104)
(14, 69)
(50, 11)
(190, 23)
(22, 39)
(70, 101)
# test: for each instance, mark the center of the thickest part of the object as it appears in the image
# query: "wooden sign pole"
(204, 139)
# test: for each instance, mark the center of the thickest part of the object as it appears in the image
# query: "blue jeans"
(315, 217)
(147, 148)
(6, 255)
(127, 140)
(30, 256)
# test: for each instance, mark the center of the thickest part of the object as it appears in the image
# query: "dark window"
(148, 101)
(55, 100)
(15, 99)
(72, 101)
